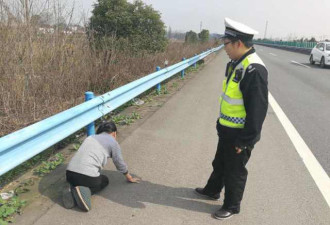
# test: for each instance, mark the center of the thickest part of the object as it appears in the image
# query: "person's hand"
(238, 150)
(131, 179)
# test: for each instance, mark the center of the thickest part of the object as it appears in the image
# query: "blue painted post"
(195, 65)
(182, 72)
(159, 87)
(90, 127)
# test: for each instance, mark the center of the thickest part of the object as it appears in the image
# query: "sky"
(286, 18)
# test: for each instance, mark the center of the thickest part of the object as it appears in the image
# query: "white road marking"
(272, 54)
(294, 62)
(320, 177)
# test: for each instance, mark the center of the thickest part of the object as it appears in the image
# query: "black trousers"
(229, 171)
(96, 184)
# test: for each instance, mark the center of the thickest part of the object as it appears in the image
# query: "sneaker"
(200, 191)
(222, 214)
(82, 195)
(67, 197)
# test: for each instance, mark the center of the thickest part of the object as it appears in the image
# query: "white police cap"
(238, 30)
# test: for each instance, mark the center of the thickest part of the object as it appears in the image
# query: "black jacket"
(255, 95)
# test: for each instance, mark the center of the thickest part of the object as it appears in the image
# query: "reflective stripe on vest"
(232, 110)
(232, 101)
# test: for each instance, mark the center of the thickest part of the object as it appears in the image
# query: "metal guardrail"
(21, 145)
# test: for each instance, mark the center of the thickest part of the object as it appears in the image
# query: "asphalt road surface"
(303, 92)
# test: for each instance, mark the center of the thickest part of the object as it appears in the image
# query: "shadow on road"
(135, 195)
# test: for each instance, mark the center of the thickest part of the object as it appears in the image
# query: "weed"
(164, 89)
(45, 155)
(49, 165)
(191, 69)
(12, 174)
(148, 99)
(21, 189)
(151, 91)
(8, 208)
(76, 145)
(23, 186)
(135, 116)
(121, 108)
(124, 119)
(72, 138)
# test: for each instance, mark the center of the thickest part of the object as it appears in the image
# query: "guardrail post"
(182, 72)
(195, 65)
(90, 127)
(159, 87)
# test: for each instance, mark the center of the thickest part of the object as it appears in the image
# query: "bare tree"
(6, 13)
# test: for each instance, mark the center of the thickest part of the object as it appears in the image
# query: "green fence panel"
(306, 45)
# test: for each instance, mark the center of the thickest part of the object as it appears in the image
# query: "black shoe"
(67, 197)
(82, 195)
(223, 214)
(200, 191)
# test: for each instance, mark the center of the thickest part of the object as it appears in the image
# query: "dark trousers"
(94, 183)
(229, 171)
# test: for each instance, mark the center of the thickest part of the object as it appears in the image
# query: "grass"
(76, 145)
(125, 119)
(122, 107)
(49, 165)
(164, 90)
(24, 167)
(8, 208)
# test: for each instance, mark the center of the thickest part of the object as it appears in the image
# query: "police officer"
(243, 108)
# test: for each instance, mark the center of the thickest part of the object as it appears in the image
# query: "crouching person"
(83, 171)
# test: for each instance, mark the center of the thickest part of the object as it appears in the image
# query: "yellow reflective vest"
(232, 110)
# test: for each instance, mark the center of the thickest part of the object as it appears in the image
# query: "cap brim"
(241, 37)
(226, 36)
